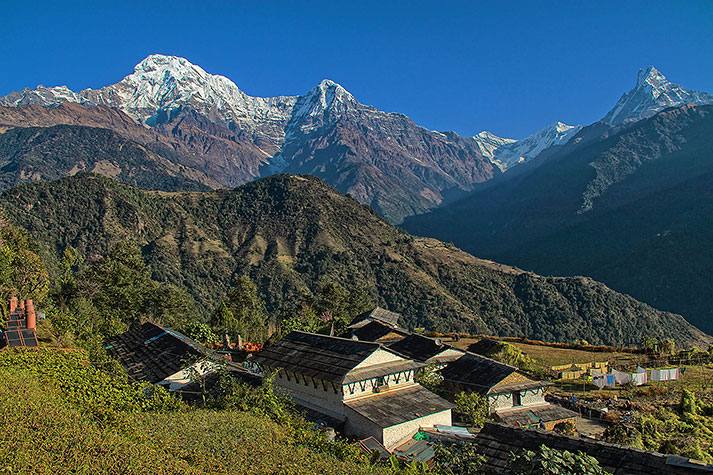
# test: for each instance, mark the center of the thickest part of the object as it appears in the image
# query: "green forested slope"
(293, 234)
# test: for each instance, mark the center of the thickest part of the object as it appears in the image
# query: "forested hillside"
(294, 235)
(630, 206)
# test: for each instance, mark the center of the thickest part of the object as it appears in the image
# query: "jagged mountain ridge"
(383, 159)
(293, 233)
(506, 153)
(628, 205)
(652, 93)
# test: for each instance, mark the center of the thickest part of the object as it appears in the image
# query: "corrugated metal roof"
(375, 330)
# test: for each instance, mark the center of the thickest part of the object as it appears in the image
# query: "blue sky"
(510, 67)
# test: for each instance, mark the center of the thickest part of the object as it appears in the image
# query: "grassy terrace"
(71, 419)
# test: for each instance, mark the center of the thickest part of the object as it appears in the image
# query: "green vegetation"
(293, 236)
(74, 419)
(633, 209)
(547, 461)
(471, 408)
(685, 430)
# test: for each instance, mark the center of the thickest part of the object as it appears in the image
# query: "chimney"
(13, 304)
(30, 314)
(240, 343)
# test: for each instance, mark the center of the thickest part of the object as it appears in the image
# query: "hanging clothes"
(620, 377)
(675, 373)
(656, 375)
(638, 379)
(611, 382)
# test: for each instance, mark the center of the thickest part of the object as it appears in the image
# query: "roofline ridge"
(369, 343)
(490, 359)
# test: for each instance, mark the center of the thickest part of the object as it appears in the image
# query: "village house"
(19, 328)
(150, 352)
(426, 350)
(368, 389)
(513, 397)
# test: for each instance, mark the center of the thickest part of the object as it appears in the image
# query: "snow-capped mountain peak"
(508, 152)
(652, 93)
(650, 76)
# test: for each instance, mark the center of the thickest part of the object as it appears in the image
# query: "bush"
(471, 408)
(547, 461)
(565, 427)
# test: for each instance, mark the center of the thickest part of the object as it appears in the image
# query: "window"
(516, 400)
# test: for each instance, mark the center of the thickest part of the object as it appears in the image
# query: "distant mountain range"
(630, 205)
(614, 200)
(207, 123)
(292, 234)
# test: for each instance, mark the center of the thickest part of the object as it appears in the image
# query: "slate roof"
(318, 356)
(545, 412)
(418, 347)
(381, 369)
(396, 407)
(496, 441)
(477, 373)
(374, 330)
(378, 313)
(150, 352)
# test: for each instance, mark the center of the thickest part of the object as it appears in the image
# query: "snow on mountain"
(161, 85)
(508, 152)
(652, 93)
(489, 143)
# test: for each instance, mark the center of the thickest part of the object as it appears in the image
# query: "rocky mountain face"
(292, 234)
(652, 93)
(48, 153)
(628, 205)
(206, 122)
(506, 153)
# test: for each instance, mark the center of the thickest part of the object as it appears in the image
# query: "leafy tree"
(22, 272)
(668, 346)
(548, 461)
(431, 378)
(243, 313)
(471, 408)
(512, 355)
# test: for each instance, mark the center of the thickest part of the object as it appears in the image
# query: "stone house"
(368, 389)
(153, 353)
(513, 397)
